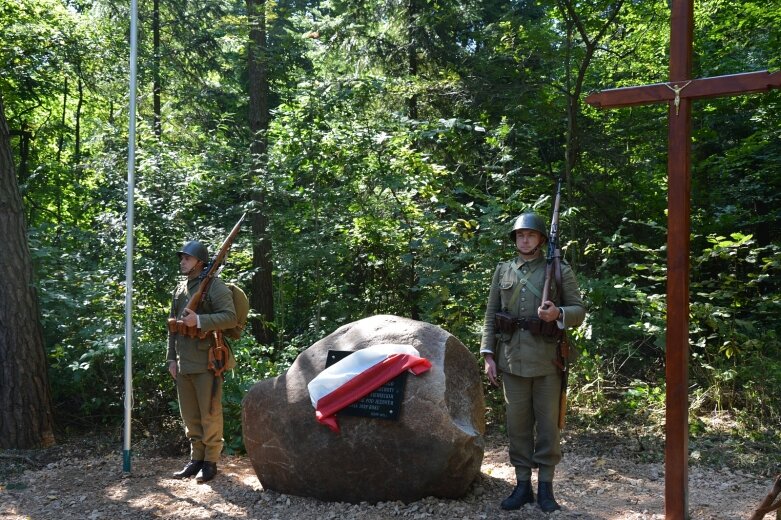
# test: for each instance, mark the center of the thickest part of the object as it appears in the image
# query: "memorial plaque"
(383, 403)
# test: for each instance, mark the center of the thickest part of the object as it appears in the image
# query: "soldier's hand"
(490, 369)
(189, 318)
(548, 311)
(172, 369)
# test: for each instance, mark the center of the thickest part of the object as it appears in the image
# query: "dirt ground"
(600, 478)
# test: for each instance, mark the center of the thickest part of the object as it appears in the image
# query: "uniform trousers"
(532, 406)
(202, 428)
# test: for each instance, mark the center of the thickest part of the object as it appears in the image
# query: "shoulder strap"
(523, 282)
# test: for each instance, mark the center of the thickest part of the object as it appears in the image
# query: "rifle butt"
(563, 409)
(213, 400)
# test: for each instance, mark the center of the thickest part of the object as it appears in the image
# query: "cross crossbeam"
(716, 86)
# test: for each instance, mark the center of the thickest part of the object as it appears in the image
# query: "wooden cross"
(679, 93)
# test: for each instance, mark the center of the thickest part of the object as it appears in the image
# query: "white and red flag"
(358, 375)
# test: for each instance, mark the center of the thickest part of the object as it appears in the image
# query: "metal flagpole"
(131, 160)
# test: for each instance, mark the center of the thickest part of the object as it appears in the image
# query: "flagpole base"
(126, 460)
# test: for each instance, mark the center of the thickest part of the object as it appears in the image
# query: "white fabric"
(345, 369)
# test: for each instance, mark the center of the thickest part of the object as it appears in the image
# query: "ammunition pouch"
(506, 323)
(178, 327)
(539, 327)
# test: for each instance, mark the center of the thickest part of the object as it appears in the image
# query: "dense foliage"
(404, 138)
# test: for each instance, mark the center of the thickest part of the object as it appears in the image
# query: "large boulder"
(434, 448)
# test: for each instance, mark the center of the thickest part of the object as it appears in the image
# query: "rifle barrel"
(553, 243)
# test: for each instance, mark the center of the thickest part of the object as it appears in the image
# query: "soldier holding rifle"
(523, 339)
(202, 308)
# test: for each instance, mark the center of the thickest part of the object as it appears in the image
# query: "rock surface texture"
(435, 448)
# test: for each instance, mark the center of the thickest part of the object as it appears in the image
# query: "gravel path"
(608, 483)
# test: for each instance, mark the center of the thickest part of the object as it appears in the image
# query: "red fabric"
(365, 383)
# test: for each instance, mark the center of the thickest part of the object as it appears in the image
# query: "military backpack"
(241, 304)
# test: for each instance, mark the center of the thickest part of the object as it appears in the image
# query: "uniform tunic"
(194, 382)
(530, 379)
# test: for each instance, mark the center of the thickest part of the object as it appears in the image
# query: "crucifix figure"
(679, 92)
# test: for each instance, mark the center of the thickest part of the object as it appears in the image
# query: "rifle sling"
(557, 271)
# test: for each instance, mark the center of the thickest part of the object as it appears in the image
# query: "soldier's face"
(527, 241)
(187, 263)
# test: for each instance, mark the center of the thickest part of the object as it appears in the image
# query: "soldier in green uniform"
(188, 362)
(525, 357)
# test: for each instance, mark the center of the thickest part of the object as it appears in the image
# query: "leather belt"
(523, 323)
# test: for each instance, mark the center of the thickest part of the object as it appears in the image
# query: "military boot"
(545, 497)
(521, 495)
(192, 467)
(208, 472)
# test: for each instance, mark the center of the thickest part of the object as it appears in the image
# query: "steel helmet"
(196, 249)
(529, 221)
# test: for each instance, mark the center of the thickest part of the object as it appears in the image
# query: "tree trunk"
(61, 139)
(25, 137)
(25, 401)
(574, 90)
(413, 34)
(261, 294)
(156, 87)
(77, 129)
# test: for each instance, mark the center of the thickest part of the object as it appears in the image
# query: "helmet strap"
(533, 252)
(194, 269)
(542, 243)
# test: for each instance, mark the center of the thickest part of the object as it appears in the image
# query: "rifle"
(177, 326)
(553, 260)
(553, 272)
(218, 358)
